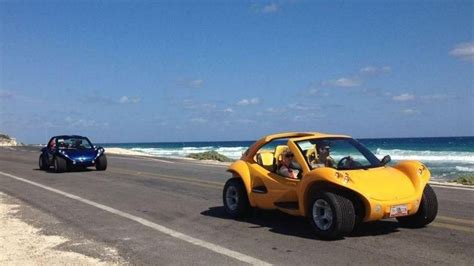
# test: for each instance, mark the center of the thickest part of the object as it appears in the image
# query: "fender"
(417, 172)
(241, 170)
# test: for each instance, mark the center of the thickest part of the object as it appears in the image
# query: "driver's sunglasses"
(289, 155)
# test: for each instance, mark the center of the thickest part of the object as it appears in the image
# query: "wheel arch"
(361, 205)
(417, 172)
(241, 170)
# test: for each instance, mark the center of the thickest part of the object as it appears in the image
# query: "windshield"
(76, 143)
(338, 153)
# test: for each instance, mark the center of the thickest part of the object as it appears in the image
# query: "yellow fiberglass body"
(339, 183)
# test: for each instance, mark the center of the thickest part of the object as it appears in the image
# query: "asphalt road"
(170, 212)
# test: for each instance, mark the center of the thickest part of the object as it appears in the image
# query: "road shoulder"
(30, 236)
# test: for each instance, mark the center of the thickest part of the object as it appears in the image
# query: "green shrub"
(465, 180)
(210, 155)
(3, 136)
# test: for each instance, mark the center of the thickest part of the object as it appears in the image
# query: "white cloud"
(245, 102)
(436, 97)
(228, 110)
(6, 94)
(313, 91)
(343, 82)
(198, 120)
(300, 107)
(202, 107)
(404, 97)
(196, 83)
(371, 70)
(81, 123)
(410, 111)
(464, 51)
(270, 8)
(126, 99)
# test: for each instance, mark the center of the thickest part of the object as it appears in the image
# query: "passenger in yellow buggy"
(286, 166)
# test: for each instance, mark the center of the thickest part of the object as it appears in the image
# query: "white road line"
(452, 187)
(165, 230)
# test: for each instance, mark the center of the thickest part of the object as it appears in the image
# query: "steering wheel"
(342, 162)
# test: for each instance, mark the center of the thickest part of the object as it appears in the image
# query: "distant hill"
(6, 140)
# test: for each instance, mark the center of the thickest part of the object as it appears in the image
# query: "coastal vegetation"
(3, 136)
(210, 155)
(465, 180)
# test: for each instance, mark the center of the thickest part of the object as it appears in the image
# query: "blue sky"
(235, 70)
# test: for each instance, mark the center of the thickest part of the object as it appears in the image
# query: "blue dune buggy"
(67, 152)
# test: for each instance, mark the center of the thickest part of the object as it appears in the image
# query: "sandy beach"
(23, 244)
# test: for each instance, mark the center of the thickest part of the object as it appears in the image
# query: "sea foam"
(430, 156)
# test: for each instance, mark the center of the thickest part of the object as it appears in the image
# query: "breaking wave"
(428, 156)
(231, 152)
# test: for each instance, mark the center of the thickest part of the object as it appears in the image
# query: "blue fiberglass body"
(66, 152)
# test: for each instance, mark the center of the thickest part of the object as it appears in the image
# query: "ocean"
(446, 157)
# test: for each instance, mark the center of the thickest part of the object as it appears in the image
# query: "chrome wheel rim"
(231, 198)
(322, 214)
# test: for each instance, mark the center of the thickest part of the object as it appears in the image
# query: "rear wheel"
(426, 212)
(60, 165)
(43, 164)
(101, 163)
(236, 202)
(331, 215)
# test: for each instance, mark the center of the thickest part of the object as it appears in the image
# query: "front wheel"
(101, 163)
(426, 212)
(43, 164)
(236, 202)
(331, 215)
(60, 165)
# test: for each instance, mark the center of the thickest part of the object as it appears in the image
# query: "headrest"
(278, 150)
(265, 158)
(311, 153)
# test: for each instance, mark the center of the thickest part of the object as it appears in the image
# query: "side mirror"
(385, 160)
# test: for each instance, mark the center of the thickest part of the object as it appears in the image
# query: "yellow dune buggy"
(356, 187)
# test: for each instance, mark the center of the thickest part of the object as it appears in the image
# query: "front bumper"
(82, 163)
(377, 210)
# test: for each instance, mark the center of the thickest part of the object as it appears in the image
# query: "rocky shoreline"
(6, 140)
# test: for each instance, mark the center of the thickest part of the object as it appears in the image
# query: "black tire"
(426, 212)
(101, 163)
(327, 204)
(236, 201)
(43, 164)
(59, 164)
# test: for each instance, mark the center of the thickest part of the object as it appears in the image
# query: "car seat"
(266, 160)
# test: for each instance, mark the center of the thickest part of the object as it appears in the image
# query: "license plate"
(398, 210)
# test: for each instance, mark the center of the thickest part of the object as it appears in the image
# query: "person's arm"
(330, 162)
(283, 171)
(287, 172)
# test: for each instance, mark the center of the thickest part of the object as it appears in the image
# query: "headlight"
(346, 178)
(421, 169)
